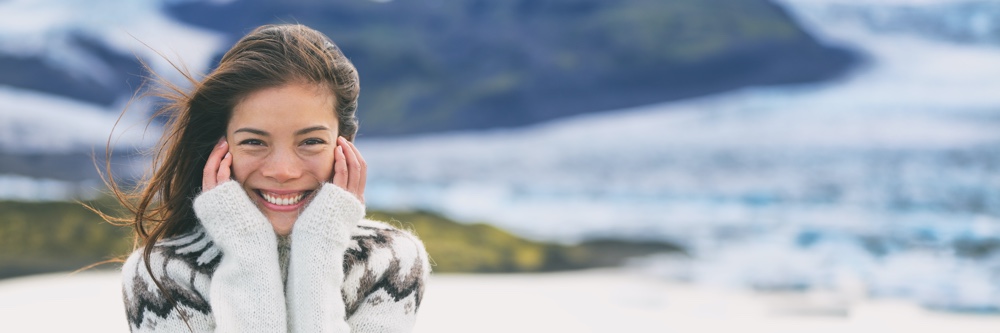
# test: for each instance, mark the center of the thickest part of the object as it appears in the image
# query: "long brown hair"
(160, 206)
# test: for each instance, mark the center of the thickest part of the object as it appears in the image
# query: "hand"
(349, 168)
(217, 168)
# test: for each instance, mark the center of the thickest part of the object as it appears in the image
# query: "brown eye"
(313, 141)
(252, 142)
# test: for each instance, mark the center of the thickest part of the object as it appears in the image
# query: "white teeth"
(283, 201)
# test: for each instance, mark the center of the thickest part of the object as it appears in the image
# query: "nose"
(282, 166)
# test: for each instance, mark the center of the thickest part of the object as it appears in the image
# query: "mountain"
(425, 66)
(471, 64)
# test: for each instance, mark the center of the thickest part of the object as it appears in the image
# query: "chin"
(282, 224)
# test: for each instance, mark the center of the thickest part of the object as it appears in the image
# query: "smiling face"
(282, 140)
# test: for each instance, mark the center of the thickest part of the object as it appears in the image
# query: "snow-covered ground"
(586, 301)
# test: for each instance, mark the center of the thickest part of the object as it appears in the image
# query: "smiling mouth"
(283, 199)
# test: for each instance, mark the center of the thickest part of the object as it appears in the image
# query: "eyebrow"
(252, 130)
(299, 132)
(312, 129)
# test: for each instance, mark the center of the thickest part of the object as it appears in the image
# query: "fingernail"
(222, 142)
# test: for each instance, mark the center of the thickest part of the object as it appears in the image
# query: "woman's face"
(282, 140)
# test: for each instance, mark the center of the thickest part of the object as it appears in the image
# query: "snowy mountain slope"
(46, 139)
(47, 29)
(36, 122)
(39, 122)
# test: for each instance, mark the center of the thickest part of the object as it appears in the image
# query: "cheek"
(243, 166)
(320, 166)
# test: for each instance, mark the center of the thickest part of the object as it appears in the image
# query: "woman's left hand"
(349, 168)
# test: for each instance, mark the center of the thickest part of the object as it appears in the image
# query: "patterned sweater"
(336, 272)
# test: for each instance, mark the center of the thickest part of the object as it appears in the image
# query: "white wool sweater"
(337, 272)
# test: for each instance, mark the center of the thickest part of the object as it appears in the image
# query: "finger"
(225, 168)
(363, 173)
(353, 167)
(209, 176)
(339, 167)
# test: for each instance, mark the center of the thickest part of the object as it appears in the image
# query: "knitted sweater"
(336, 272)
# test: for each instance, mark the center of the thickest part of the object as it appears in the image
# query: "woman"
(252, 220)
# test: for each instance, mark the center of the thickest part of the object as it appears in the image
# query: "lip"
(307, 196)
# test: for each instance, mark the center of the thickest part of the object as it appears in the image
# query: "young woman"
(253, 217)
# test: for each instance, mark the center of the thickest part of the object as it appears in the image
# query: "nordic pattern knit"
(336, 272)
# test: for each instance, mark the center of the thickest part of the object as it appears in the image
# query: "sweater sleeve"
(388, 273)
(386, 270)
(182, 303)
(316, 269)
(246, 289)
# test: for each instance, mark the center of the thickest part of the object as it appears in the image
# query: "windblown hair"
(269, 56)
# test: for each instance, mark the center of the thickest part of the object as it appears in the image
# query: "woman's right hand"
(217, 168)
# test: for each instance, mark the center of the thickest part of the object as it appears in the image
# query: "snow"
(584, 301)
(47, 28)
(39, 122)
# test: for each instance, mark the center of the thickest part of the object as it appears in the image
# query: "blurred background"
(847, 146)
